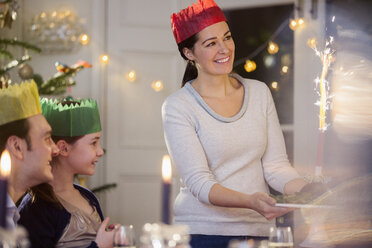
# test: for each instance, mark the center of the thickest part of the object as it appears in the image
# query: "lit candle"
(5, 165)
(167, 176)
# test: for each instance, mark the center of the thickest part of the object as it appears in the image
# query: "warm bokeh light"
(296, 23)
(84, 39)
(284, 69)
(272, 48)
(131, 76)
(269, 61)
(300, 22)
(157, 85)
(292, 24)
(166, 169)
(312, 43)
(274, 85)
(249, 66)
(5, 164)
(104, 58)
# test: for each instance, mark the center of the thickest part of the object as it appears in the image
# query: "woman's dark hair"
(19, 128)
(191, 72)
(45, 191)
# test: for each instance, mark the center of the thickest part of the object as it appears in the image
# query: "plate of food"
(306, 198)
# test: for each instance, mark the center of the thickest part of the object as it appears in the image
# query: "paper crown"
(195, 18)
(78, 118)
(19, 101)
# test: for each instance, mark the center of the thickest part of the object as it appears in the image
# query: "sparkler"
(322, 88)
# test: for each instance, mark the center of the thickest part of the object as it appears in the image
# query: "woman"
(61, 213)
(224, 137)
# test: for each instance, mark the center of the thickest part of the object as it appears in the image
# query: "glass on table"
(281, 237)
(124, 237)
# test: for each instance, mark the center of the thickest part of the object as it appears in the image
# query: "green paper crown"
(78, 118)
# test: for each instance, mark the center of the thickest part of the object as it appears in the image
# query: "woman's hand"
(259, 202)
(104, 239)
(265, 205)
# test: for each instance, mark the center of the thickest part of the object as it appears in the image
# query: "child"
(61, 213)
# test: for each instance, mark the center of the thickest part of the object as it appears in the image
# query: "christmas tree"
(62, 80)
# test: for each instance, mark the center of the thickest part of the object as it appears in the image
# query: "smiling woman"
(223, 135)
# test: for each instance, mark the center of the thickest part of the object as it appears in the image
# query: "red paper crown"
(195, 18)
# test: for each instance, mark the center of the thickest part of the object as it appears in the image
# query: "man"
(26, 134)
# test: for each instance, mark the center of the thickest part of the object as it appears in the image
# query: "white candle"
(166, 188)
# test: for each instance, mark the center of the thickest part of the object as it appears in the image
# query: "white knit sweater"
(243, 153)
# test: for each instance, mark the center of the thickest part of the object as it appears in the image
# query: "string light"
(300, 22)
(104, 58)
(157, 85)
(284, 69)
(131, 75)
(275, 86)
(292, 24)
(84, 39)
(312, 43)
(250, 65)
(296, 23)
(272, 48)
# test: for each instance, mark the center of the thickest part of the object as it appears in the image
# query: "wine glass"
(124, 237)
(281, 237)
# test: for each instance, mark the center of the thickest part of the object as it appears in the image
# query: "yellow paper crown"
(19, 101)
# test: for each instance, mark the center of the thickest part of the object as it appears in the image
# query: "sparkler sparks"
(321, 84)
(322, 88)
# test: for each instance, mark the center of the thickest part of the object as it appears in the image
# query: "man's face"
(37, 168)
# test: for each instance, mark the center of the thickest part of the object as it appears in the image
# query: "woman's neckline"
(211, 112)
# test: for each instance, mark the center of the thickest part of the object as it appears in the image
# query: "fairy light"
(249, 66)
(292, 24)
(157, 85)
(296, 23)
(284, 69)
(272, 48)
(104, 58)
(84, 39)
(131, 75)
(312, 43)
(274, 85)
(300, 22)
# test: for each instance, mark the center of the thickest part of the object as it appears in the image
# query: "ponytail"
(191, 72)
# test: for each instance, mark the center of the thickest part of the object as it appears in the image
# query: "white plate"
(294, 205)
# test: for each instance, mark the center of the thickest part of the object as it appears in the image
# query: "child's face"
(84, 154)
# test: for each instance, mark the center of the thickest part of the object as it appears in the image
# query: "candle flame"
(166, 169)
(5, 164)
